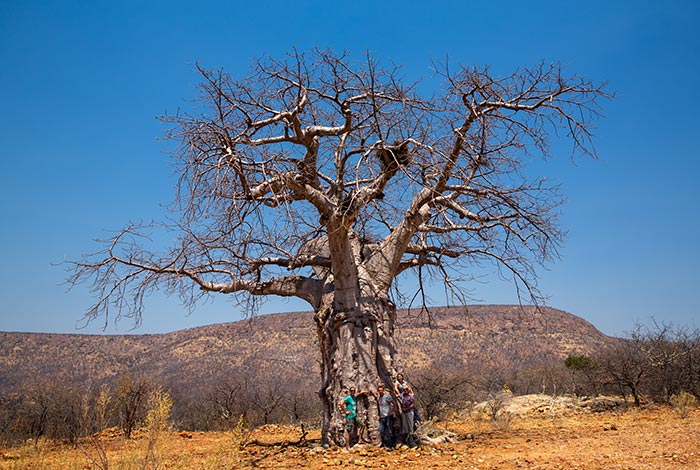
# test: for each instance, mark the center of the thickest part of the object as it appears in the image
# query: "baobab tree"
(324, 177)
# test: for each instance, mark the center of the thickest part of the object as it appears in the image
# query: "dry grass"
(651, 438)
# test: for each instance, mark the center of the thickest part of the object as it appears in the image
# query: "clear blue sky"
(82, 82)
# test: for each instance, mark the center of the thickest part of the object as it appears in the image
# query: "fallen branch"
(301, 442)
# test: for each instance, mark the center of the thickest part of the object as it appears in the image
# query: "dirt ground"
(653, 437)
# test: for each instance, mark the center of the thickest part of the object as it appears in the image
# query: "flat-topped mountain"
(491, 336)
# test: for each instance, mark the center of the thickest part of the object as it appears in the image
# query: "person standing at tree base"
(407, 425)
(387, 410)
(399, 385)
(349, 406)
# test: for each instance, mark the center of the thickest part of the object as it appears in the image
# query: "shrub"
(156, 422)
(682, 402)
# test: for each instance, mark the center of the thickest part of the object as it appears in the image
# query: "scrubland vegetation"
(136, 423)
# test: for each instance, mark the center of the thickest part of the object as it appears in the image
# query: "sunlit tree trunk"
(357, 349)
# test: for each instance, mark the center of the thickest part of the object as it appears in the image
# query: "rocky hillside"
(285, 344)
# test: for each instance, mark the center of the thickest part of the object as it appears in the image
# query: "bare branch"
(317, 146)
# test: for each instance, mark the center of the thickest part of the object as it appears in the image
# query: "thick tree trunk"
(357, 349)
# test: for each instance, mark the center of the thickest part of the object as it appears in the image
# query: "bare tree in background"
(324, 178)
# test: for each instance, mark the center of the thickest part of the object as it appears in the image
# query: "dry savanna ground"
(652, 437)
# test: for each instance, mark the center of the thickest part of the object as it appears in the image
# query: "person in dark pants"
(387, 410)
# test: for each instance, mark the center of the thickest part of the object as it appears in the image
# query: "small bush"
(682, 402)
(495, 409)
(156, 423)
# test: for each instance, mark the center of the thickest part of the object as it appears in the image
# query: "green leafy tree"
(581, 365)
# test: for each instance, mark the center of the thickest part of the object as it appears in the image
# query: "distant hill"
(489, 335)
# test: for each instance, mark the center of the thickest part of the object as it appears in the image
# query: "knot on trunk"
(360, 320)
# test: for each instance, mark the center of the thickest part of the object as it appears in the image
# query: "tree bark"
(357, 349)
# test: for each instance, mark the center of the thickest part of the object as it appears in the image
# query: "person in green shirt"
(349, 406)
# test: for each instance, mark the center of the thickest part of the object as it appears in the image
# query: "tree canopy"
(317, 171)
